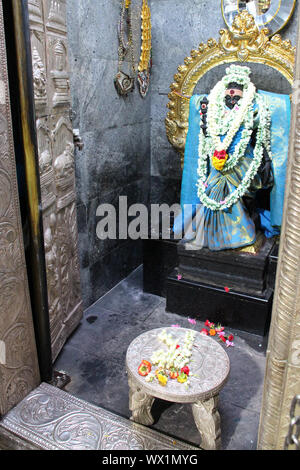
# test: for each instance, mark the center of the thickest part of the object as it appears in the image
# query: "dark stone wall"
(115, 160)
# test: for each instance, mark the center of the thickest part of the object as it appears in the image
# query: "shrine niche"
(48, 192)
(36, 14)
(56, 165)
(56, 16)
(59, 74)
(39, 78)
(214, 252)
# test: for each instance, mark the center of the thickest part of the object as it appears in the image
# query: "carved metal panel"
(19, 372)
(56, 159)
(54, 420)
(282, 379)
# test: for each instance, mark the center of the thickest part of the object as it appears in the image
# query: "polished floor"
(94, 357)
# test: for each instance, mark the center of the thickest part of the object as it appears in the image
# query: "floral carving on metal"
(56, 165)
(55, 420)
(19, 373)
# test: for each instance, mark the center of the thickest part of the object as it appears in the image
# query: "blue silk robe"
(233, 228)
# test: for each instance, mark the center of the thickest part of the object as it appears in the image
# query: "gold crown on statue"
(237, 74)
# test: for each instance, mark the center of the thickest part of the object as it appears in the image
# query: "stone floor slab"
(95, 359)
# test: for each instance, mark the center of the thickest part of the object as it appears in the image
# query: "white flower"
(207, 145)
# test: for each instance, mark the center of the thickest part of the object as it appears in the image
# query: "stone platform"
(201, 293)
(159, 259)
(243, 272)
(232, 309)
(50, 419)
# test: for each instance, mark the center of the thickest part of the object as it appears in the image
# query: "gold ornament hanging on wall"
(144, 67)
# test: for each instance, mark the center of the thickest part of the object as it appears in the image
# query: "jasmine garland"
(221, 121)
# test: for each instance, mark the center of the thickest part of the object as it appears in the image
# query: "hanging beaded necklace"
(124, 83)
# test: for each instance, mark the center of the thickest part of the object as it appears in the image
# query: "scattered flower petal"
(220, 329)
(175, 326)
(227, 289)
(229, 344)
(179, 277)
(193, 322)
(204, 331)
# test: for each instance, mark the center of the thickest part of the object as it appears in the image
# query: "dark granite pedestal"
(243, 272)
(233, 309)
(230, 287)
(159, 260)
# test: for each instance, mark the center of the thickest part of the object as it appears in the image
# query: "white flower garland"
(216, 114)
(173, 357)
(218, 124)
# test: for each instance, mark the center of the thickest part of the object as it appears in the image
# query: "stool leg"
(140, 404)
(208, 422)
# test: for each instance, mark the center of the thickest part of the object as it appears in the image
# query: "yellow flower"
(163, 379)
(219, 163)
(182, 378)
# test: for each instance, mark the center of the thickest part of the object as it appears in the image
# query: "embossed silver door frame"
(282, 380)
(19, 369)
(282, 376)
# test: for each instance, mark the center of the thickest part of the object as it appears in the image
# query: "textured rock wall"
(116, 135)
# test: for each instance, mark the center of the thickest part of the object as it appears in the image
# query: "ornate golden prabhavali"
(244, 42)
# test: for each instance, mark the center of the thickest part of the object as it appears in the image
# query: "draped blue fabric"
(232, 228)
(280, 108)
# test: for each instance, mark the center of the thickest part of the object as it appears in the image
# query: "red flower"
(230, 338)
(144, 368)
(222, 338)
(177, 347)
(221, 155)
(204, 331)
(219, 329)
(185, 370)
(227, 289)
(207, 323)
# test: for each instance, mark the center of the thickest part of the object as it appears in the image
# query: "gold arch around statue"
(244, 42)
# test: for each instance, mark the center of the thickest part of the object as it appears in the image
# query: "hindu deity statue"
(230, 183)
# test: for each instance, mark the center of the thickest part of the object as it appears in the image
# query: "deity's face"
(233, 94)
